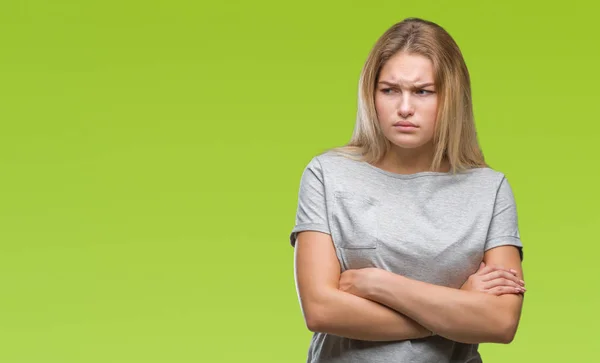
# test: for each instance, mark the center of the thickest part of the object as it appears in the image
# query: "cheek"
(380, 109)
(378, 106)
(431, 106)
(429, 116)
(383, 108)
(431, 111)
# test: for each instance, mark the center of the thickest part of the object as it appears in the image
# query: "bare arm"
(327, 309)
(459, 315)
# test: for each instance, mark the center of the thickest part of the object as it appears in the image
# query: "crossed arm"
(383, 306)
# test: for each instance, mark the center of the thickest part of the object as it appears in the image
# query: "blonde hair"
(455, 136)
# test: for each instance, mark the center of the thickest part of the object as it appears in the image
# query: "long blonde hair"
(455, 136)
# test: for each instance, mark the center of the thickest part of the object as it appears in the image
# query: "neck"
(410, 161)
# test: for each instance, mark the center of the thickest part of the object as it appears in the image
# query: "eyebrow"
(419, 85)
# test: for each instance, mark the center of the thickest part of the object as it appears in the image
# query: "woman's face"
(405, 95)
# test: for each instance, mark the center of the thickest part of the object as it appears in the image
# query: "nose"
(406, 108)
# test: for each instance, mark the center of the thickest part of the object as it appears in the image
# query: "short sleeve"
(311, 213)
(504, 227)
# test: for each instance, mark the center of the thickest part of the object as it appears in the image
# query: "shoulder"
(496, 185)
(331, 156)
(486, 175)
(482, 183)
(332, 162)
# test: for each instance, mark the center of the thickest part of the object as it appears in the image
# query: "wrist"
(378, 282)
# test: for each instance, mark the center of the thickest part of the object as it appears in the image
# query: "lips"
(405, 124)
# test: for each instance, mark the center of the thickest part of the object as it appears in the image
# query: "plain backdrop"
(151, 153)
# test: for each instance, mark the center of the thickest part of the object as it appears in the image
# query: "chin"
(408, 144)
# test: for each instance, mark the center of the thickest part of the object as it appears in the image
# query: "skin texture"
(355, 304)
(460, 315)
(405, 92)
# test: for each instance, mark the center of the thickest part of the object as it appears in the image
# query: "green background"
(151, 152)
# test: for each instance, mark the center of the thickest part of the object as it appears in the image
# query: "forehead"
(409, 68)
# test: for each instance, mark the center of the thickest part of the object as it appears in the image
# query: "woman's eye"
(385, 90)
(423, 92)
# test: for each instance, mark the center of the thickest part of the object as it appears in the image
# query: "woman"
(407, 246)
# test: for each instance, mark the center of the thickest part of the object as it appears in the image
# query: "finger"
(485, 270)
(511, 270)
(502, 282)
(502, 290)
(502, 274)
(481, 267)
(514, 272)
(488, 268)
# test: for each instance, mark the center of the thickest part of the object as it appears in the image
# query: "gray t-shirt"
(429, 226)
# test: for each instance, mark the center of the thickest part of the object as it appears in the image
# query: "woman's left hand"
(359, 282)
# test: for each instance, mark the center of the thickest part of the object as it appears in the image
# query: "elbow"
(509, 333)
(314, 318)
(313, 324)
(317, 310)
(507, 330)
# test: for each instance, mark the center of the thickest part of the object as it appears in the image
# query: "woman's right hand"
(494, 280)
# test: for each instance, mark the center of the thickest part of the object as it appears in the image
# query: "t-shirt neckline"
(408, 176)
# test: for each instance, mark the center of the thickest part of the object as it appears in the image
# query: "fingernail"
(522, 282)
